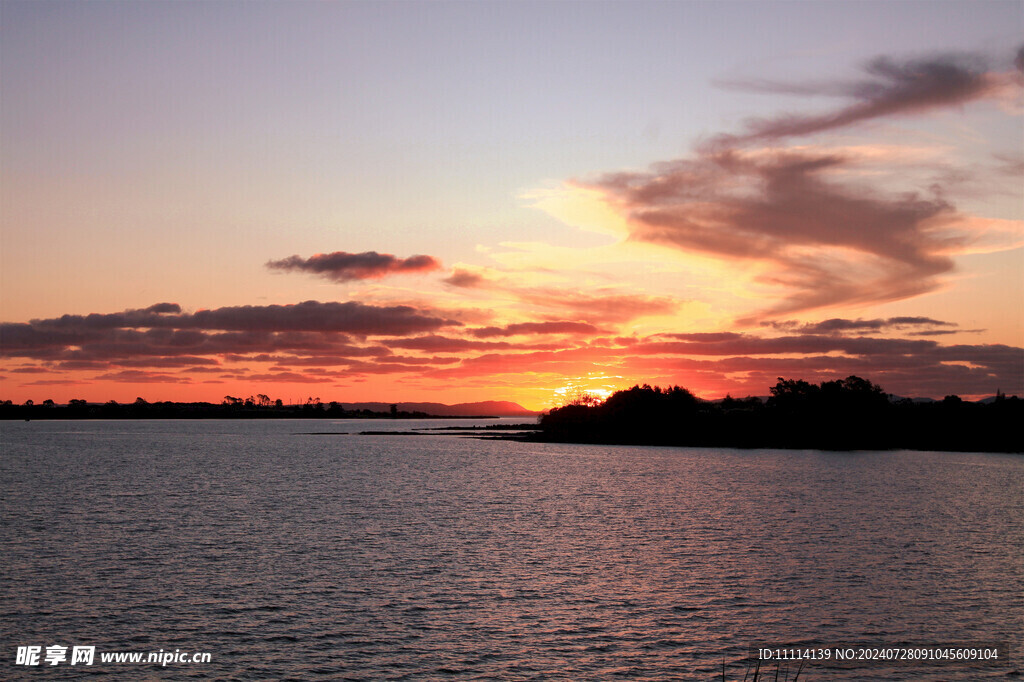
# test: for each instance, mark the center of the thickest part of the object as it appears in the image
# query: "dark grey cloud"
(892, 87)
(946, 332)
(748, 344)
(350, 317)
(170, 362)
(903, 366)
(340, 266)
(164, 331)
(838, 325)
(163, 308)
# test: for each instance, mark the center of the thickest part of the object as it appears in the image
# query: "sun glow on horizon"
(585, 390)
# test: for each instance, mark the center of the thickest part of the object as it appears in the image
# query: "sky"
(454, 201)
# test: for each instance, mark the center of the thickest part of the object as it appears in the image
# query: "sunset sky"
(462, 201)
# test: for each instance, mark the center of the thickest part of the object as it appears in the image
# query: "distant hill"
(487, 408)
(79, 409)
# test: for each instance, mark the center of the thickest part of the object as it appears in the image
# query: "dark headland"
(847, 414)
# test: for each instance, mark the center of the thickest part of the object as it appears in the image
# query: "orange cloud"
(554, 327)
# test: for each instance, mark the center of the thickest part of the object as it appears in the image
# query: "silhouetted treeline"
(230, 408)
(847, 414)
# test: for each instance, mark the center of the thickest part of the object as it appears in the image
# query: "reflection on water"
(382, 557)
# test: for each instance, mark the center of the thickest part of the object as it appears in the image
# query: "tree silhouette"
(582, 397)
(792, 393)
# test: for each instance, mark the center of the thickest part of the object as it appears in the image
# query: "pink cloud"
(600, 307)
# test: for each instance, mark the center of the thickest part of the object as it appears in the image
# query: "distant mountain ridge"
(487, 408)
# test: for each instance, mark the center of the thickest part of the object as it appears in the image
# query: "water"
(290, 555)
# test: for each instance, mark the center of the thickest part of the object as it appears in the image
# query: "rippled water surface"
(287, 554)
